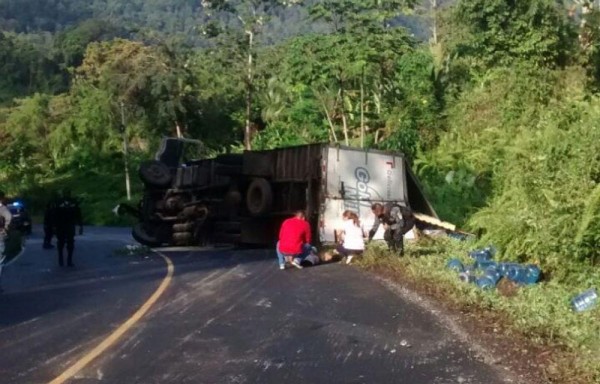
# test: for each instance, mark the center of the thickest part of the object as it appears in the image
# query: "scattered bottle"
(504, 267)
(490, 278)
(455, 265)
(485, 264)
(524, 274)
(493, 273)
(533, 274)
(486, 282)
(486, 253)
(466, 277)
(585, 300)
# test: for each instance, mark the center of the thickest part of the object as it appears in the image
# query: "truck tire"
(155, 174)
(182, 227)
(182, 238)
(259, 197)
(143, 237)
(197, 213)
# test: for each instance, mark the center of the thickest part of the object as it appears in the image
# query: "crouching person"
(294, 241)
(352, 237)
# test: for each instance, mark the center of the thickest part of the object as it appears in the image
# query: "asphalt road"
(226, 317)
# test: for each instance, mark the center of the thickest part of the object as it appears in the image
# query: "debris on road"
(133, 250)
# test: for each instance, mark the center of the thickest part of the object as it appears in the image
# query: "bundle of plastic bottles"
(486, 273)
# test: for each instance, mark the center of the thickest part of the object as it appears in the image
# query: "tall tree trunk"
(344, 121)
(362, 109)
(587, 6)
(331, 126)
(125, 152)
(249, 83)
(434, 27)
(178, 129)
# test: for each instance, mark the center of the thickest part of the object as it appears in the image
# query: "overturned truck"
(243, 198)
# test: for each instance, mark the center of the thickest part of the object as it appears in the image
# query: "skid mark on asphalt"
(181, 303)
(216, 309)
(82, 280)
(24, 323)
(51, 360)
(47, 329)
(118, 333)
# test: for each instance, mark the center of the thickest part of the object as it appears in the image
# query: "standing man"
(397, 219)
(66, 217)
(5, 219)
(294, 240)
(49, 214)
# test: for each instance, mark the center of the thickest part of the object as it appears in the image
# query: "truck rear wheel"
(259, 197)
(143, 237)
(182, 238)
(155, 174)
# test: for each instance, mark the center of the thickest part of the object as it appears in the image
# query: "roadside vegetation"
(494, 102)
(536, 322)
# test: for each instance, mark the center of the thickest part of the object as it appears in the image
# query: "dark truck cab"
(242, 198)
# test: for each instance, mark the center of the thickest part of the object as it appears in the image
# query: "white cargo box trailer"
(339, 178)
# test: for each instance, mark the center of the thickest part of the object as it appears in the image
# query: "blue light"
(17, 204)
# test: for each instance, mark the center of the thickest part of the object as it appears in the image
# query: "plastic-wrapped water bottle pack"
(486, 273)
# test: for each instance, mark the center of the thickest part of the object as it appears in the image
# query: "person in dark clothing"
(397, 220)
(67, 215)
(48, 224)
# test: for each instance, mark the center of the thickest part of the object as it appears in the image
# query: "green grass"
(540, 312)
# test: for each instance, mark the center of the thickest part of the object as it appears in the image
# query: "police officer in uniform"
(49, 214)
(397, 219)
(67, 215)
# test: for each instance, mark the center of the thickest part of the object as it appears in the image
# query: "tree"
(353, 80)
(155, 83)
(25, 69)
(70, 45)
(252, 16)
(500, 32)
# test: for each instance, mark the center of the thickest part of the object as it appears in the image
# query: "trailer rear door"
(354, 180)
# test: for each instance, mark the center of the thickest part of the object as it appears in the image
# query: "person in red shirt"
(294, 240)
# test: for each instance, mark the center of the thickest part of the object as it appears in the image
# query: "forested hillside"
(167, 17)
(494, 102)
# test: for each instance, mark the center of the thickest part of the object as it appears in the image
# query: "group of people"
(294, 245)
(61, 217)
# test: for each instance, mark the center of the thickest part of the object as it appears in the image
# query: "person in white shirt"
(5, 219)
(352, 237)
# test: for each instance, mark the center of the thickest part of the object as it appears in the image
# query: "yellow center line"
(116, 335)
